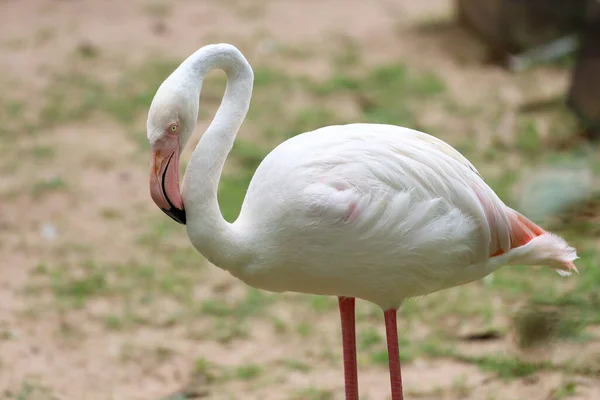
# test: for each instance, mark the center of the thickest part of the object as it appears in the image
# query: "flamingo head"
(171, 120)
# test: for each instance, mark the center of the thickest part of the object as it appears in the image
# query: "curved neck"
(220, 242)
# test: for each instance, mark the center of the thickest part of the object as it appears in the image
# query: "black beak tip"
(176, 214)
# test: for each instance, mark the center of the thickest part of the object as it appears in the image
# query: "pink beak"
(164, 178)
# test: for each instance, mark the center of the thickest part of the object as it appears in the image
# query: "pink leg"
(349, 345)
(391, 330)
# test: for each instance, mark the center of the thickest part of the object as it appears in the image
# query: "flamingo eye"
(174, 127)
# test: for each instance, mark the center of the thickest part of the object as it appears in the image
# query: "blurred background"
(103, 297)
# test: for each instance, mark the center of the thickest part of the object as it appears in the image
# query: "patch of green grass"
(409, 350)
(338, 83)
(322, 304)
(76, 289)
(113, 322)
(162, 235)
(504, 183)
(150, 282)
(279, 326)
(203, 366)
(398, 78)
(467, 146)
(51, 185)
(295, 365)
(266, 78)
(41, 152)
(185, 258)
(528, 139)
(368, 338)
(232, 317)
(247, 154)
(232, 191)
(309, 119)
(227, 330)
(29, 390)
(247, 372)
(216, 308)
(14, 109)
(304, 328)
(139, 137)
(254, 303)
(379, 357)
(427, 84)
(565, 390)
(506, 367)
(312, 394)
(502, 366)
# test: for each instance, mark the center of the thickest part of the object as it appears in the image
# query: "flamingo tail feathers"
(531, 245)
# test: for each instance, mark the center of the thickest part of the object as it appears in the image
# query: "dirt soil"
(68, 354)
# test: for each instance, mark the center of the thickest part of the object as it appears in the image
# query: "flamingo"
(370, 211)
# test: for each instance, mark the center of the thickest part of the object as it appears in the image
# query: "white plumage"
(376, 212)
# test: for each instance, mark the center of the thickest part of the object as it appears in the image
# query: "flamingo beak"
(164, 178)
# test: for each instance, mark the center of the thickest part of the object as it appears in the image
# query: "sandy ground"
(68, 354)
